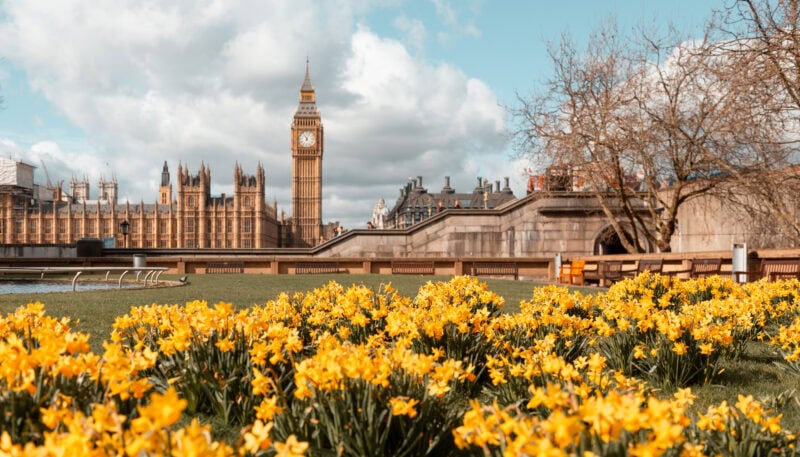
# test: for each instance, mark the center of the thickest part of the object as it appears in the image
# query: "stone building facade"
(416, 204)
(194, 219)
(541, 224)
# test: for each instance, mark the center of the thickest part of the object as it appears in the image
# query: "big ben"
(307, 147)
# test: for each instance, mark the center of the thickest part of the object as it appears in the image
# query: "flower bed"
(359, 372)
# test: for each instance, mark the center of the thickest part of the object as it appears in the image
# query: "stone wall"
(710, 224)
(529, 227)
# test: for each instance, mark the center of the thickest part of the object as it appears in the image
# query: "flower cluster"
(354, 371)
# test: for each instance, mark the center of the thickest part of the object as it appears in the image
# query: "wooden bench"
(772, 270)
(651, 265)
(495, 269)
(572, 273)
(413, 267)
(303, 268)
(700, 268)
(224, 267)
(608, 271)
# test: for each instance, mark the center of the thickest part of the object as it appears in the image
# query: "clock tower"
(307, 146)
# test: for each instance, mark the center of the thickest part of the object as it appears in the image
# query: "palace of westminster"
(192, 218)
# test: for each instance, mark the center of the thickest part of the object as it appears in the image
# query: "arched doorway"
(608, 242)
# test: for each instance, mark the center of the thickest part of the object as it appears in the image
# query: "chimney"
(497, 186)
(447, 189)
(419, 178)
(506, 188)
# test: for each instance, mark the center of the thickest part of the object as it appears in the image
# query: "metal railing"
(152, 274)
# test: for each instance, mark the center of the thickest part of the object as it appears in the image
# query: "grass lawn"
(755, 373)
(96, 310)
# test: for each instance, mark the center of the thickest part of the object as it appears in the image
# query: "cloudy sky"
(405, 87)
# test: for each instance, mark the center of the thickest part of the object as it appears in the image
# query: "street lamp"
(124, 227)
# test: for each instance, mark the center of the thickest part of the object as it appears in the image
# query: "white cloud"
(218, 82)
(10, 150)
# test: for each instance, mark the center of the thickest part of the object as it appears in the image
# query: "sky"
(406, 88)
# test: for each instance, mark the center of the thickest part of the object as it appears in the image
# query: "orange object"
(572, 273)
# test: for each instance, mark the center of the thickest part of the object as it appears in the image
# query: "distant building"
(194, 219)
(415, 203)
(188, 218)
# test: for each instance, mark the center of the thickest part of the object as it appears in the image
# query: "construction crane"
(56, 190)
(46, 174)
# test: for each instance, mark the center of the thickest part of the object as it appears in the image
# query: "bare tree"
(760, 42)
(640, 121)
(766, 37)
(576, 125)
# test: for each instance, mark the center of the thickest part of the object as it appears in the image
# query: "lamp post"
(124, 227)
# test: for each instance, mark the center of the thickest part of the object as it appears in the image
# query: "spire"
(307, 86)
(165, 175)
(308, 98)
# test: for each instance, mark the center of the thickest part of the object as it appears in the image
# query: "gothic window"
(248, 203)
(48, 227)
(164, 198)
(246, 226)
(247, 244)
(105, 226)
(163, 227)
(32, 227)
(191, 202)
(189, 226)
(218, 226)
(62, 226)
(149, 226)
(76, 226)
(228, 226)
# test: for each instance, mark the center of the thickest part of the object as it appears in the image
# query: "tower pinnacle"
(307, 86)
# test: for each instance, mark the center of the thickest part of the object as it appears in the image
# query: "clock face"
(307, 139)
